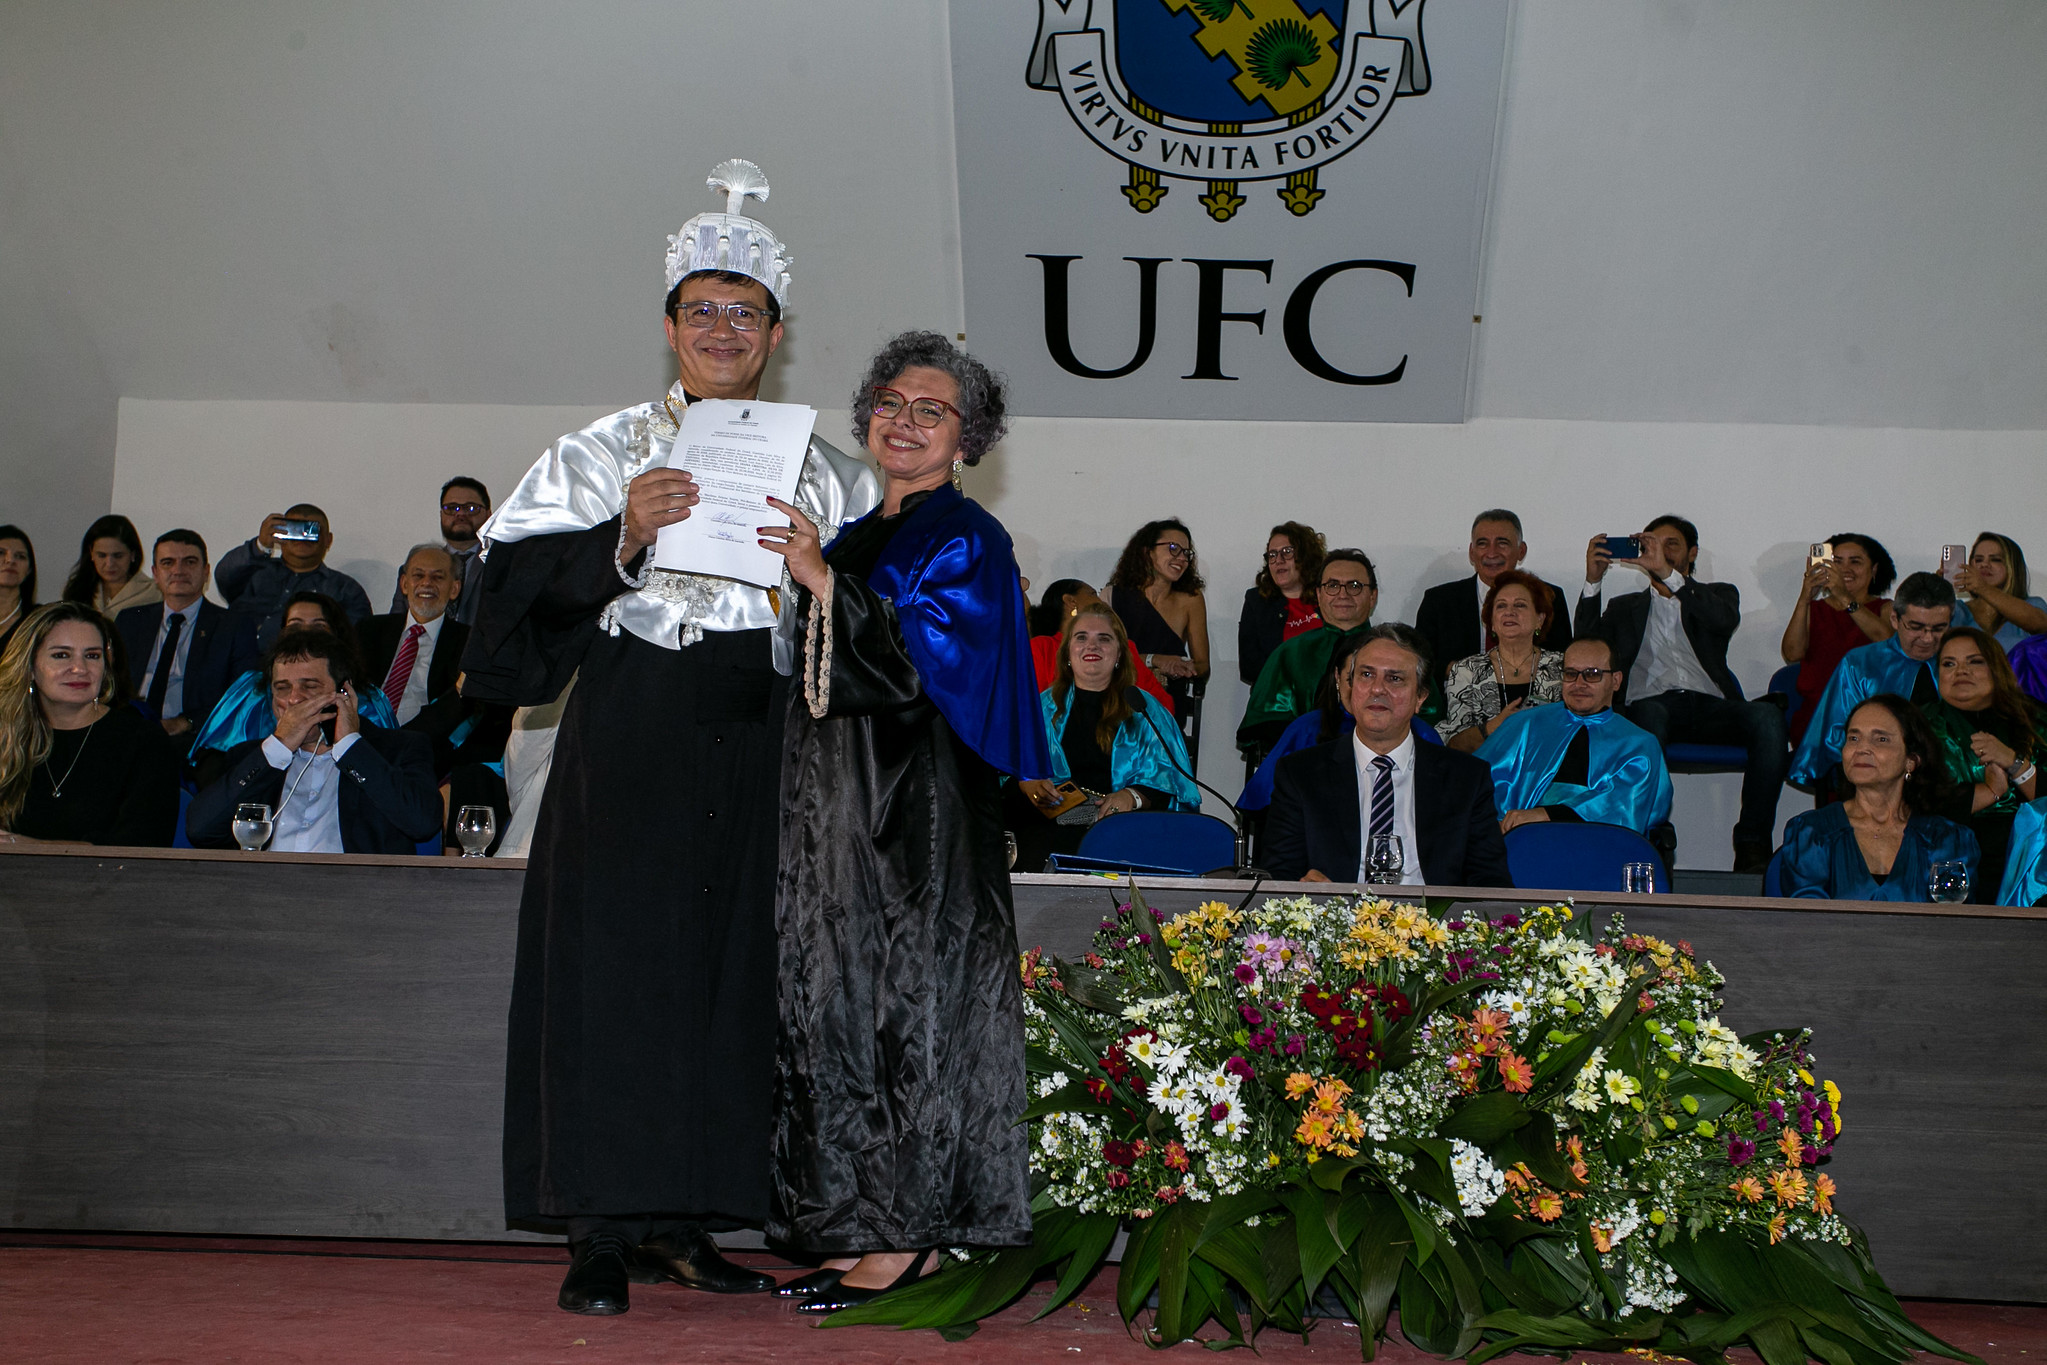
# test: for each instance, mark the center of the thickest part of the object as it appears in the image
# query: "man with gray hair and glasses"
(640, 1067)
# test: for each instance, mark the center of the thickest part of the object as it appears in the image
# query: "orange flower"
(1602, 1238)
(1516, 1177)
(1749, 1188)
(1823, 1194)
(1791, 1145)
(1575, 1147)
(1547, 1206)
(1329, 1096)
(1516, 1074)
(1488, 1029)
(1776, 1229)
(1788, 1186)
(1299, 1084)
(1315, 1131)
(1464, 1066)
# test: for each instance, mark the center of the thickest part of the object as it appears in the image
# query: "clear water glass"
(1638, 879)
(475, 826)
(1947, 882)
(253, 826)
(1385, 861)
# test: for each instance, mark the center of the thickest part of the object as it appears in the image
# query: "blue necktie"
(1382, 798)
(166, 660)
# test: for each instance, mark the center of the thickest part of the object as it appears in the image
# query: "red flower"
(1119, 1154)
(1169, 1194)
(1099, 1089)
(1118, 1179)
(1176, 1157)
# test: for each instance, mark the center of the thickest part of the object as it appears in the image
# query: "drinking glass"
(475, 826)
(253, 826)
(1009, 843)
(1947, 883)
(1384, 860)
(1639, 879)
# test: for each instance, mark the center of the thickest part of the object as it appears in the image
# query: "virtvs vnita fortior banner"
(1261, 209)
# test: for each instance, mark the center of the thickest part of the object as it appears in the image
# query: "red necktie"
(401, 666)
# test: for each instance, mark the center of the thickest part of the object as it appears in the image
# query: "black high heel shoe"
(809, 1286)
(845, 1295)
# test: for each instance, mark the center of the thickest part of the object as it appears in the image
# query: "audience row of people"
(1566, 731)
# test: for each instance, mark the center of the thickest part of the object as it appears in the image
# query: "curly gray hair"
(983, 404)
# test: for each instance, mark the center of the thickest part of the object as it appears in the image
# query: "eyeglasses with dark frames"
(1350, 587)
(455, 508)
(1591, 675)
(1279, 556)
(924, 412)
(1174, 549)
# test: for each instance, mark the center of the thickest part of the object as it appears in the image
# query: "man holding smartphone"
(1670, 645)
(288, 555)
(336, 782)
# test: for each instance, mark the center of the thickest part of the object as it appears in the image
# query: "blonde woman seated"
(1109, 738)
(1516, 673)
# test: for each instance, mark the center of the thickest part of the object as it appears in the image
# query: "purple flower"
(1762, 1121)
(1777, 1110)
(1456, 925)
(1510, 920)
(1237, 1066)
(1119, 943)
(1489, 976)
(1740, 1151)
(1144, 938)
(1122, 911)
(1246, 973)
(1217, 1113)
(1250, 1015)
(1810, 1156)
(1263, 1039)
(1158, 917)
(1108, 926)
(1294, 1043)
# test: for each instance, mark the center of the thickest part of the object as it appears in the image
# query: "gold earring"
(957, 466)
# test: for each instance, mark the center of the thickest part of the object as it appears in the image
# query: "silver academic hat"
(730, 240)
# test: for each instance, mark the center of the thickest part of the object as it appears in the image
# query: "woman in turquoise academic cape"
(1881, 842)
(1107, 737)
(2025, 867)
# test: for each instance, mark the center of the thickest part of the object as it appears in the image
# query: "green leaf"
(1089, 986)
(1313, 1234)
(1236, 1253)
(1486, 1118)
(1419, 1226)
(1425, 1312)
(1376, 1254)
(1071, 1098)
(1178, 1318)
(1724, 1080)
(1091, 1241)
(1139, 1271)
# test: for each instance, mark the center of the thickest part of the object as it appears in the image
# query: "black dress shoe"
(816, 1282)
(846, 1295)
(596, 1282)
(692, 1259)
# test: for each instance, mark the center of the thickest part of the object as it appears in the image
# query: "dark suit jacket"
(1448, 620)
(1315, 812)
(445, 708)
(1710, 612)
(389, 801)
(222, 650)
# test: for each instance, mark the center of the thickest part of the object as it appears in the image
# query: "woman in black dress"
(78, 765)
(899, 1068)
(1156, 590)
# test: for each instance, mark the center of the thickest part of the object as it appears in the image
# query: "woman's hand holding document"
(740, 453)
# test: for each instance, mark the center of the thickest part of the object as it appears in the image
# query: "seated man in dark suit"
(1449, 614)
(416, 655)
(336, 782)
(1670, 644)
(1437, 801)
(183, 652)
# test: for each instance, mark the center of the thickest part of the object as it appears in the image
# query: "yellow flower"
(1776, 1229)
(1833, 1093)
(1299, 1084)
(1806, 1076)
(1823, 1194)
(1748, 1188)
(1788, 1186)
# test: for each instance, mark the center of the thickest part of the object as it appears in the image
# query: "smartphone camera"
(297, 528)
(1623, 547)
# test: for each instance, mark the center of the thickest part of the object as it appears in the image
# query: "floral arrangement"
(1522, 1133)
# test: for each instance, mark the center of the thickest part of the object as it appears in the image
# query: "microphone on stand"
(1243, 871)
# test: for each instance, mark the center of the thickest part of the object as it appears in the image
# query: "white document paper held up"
(740, 453)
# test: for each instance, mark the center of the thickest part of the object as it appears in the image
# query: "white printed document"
(740, 453)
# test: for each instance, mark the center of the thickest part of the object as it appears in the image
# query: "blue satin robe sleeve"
(1822, 861)
(952, 576)
(2025, 867)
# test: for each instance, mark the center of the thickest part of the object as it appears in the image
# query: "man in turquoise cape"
(1904, 664)
(1286, 688)
(1577, 760)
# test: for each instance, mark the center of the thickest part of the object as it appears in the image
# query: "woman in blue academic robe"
(900, 1059)
(1881, 842)
(1118, 745)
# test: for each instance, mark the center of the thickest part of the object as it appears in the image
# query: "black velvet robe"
(899, 1072)
(640, 1059)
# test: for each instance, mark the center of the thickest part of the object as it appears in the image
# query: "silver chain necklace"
(57, 786)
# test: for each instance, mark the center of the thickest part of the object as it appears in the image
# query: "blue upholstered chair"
(1556, 856)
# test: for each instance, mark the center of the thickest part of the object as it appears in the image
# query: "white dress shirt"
(1667, 662)
(174, 690)
(414, 700)
(1403, 806)
(309, 817)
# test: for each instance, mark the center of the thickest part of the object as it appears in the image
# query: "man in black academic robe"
(640, 1061)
